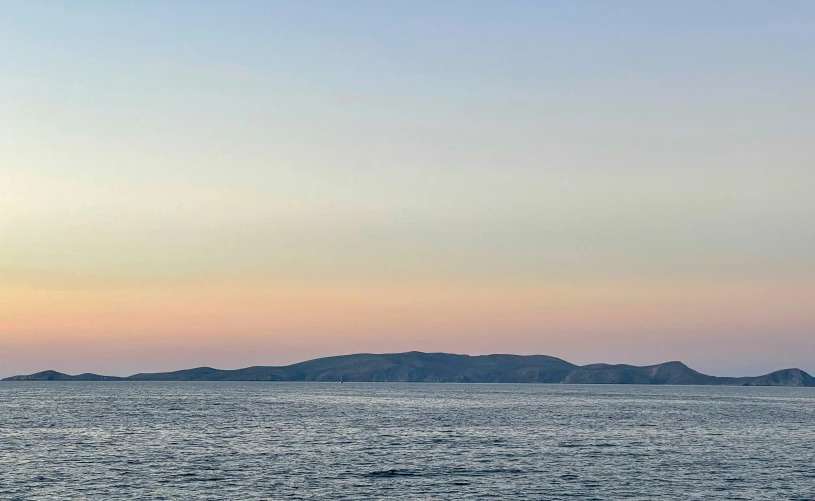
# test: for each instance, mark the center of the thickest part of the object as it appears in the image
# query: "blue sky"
(596, 173)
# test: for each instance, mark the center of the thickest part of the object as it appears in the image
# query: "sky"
(243, 183)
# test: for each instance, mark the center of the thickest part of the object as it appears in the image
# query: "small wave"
(497, 471)
(392, 473)
(569, 445)
(458, 472)
(195, 477)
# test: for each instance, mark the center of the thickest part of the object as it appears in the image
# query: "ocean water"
(247, 441)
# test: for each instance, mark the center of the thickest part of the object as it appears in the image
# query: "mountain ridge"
(417, 366)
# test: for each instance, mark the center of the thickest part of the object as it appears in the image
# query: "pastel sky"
(235, 183)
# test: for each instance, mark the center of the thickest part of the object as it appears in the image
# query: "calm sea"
(246, 441)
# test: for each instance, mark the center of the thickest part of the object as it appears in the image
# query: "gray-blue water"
(246, 441)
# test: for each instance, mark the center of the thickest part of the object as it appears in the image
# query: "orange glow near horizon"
(234, 187)
(274, 324)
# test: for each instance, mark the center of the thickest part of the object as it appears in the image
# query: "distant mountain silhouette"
(421, 367)
(58, 376)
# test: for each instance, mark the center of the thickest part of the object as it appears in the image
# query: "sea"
(369, 441)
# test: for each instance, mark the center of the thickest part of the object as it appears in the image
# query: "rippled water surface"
(111, 441)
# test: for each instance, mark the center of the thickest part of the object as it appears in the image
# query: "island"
(419, 367)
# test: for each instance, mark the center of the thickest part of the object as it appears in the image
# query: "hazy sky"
(255, 182)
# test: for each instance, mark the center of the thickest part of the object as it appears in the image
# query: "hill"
(58, 376)
(421, 367)
(395, 367)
